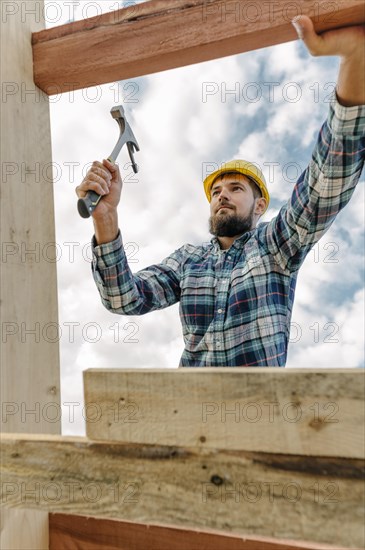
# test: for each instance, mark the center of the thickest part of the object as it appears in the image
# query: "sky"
(265, 106)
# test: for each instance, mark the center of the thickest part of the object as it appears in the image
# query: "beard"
(229, 224)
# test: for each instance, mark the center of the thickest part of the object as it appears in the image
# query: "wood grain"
(28, 284)
(314, 499)
(30, 375)
(163, 34)
(274, 410)
(24, 529)
(88, 533)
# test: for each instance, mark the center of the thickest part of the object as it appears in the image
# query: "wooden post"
(29, 347)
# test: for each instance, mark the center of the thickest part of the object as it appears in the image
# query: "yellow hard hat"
(242, 167)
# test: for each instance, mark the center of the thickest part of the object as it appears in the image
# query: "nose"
(223, 195)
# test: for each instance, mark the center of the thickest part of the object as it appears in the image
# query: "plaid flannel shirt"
(236, 304)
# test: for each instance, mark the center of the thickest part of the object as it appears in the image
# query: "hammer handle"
(87, 205)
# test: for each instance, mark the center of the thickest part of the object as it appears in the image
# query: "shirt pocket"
(197, 301)
(250, 267)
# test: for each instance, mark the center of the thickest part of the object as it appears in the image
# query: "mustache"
(224, 205)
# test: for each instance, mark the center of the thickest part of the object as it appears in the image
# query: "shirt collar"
(238, 243)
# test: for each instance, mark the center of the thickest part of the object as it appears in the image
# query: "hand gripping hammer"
(87, 205)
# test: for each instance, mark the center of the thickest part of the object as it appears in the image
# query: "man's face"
(232, 206)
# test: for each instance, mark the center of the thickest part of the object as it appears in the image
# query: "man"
(236, 293)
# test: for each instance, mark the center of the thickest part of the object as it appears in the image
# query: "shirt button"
(218, 344)
(229, 257)
(224, 281)
(220, 310)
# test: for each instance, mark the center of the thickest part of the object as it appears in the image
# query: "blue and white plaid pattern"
(236, 304)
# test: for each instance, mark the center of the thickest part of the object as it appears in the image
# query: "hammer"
(87, 205)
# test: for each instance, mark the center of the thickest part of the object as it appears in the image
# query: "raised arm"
(155, 287)
(329, 181)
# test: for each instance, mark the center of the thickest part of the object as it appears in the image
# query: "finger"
(104, 183)
(79, 192)
(112, 167)
(92, 184)
(96, 164)
(99, 170)
(305, 29)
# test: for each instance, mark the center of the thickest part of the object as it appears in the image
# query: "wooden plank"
(29, 363)
(314, 499)
(87, 533)
(164, 34)
(24, 529)
(291, 411)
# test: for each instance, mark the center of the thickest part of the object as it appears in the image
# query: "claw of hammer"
(126, 137)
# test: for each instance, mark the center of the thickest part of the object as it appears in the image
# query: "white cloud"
(336, 341)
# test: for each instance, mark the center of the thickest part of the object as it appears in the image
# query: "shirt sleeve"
(323, 189)
(123, 292)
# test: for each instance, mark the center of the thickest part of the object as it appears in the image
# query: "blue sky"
(185, 120)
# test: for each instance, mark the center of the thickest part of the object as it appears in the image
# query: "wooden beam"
(164, 34)
(87, 533)
(314, 499)
(30, 376)
(274, 410)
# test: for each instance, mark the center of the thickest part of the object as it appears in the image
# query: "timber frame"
(217, 449)
(158, 35)
(174, 456)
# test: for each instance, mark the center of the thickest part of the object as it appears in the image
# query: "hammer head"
(117, 111)
(126, 136)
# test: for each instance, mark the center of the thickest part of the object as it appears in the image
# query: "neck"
(226, 242)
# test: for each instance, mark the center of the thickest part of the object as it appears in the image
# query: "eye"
(214, 193)
(237, 187)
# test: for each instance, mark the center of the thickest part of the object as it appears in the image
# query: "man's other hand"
(344, 42)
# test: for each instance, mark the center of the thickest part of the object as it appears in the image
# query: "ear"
(260, 206)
